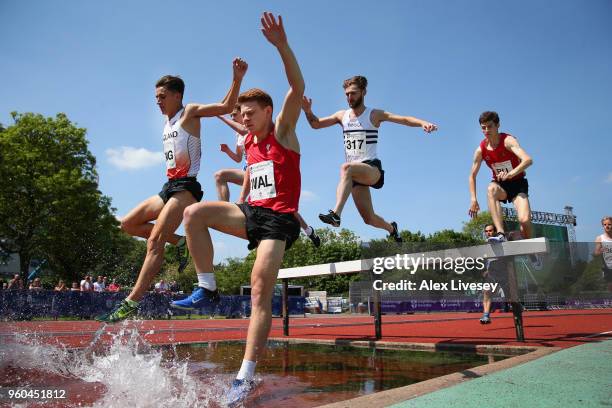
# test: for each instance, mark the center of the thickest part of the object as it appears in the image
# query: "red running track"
(559, 328)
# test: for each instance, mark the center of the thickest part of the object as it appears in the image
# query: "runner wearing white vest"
(363, 168)
(182, 151)
(603, 247)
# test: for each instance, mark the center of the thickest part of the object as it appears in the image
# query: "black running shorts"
(264, 223)
(513, 188)
(381, 181)
(173, 186)
(607, 274)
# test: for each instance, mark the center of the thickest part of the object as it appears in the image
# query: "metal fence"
(29, 304)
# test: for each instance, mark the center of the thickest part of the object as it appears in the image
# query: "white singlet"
(181, 149)
(360, 136)
(606, 246)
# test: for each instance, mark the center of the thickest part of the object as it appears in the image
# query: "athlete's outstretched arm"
(379, 116)
(474, 207)
(319, 123)
(195, 110)
(598, 246)
(290, 112)
(237, 127)
(513, 145)
(235, 156)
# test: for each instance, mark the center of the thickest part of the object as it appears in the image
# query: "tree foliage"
(50, 205)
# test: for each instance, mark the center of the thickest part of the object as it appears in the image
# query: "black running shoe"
(395, 234)
(316, 241)
(182, 253)
(330, 218)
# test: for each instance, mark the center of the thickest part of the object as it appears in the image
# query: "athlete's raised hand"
(429, 127)
(240, 68)
(474, 208)
(306, 104)
(273, 31)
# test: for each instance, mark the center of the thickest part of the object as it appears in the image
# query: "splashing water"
(127, 373)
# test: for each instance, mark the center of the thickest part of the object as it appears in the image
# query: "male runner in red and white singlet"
(507, 161)
(182, 151)
(273, 184)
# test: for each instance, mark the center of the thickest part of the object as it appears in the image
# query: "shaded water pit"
(128, 372)
(309, 375)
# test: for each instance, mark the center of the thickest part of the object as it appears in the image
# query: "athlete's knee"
(192, 216)
(494, 190)
(346, 169)
(260, 299)
(524, 220)
(128, 225)
(220, 177)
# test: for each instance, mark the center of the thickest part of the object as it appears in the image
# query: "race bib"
(503, 167)
(263, 185)
(169, 153)
(607, 254)
(355, 146)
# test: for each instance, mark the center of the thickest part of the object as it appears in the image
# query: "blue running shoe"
(199, 298)
(238, 392)
(485, 320)
(497, 239)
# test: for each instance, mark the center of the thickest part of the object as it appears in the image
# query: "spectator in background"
(86, 285)
(4, 285)
(174, 287)
(36, 285)
(75, 287)
(16, 283)
(113, 287)
(99, 285)
(61, 286)
(105, 282)
(162, 286)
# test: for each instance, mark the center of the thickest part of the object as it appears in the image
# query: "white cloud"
(307, 195)
(132, 158)
(609, 178)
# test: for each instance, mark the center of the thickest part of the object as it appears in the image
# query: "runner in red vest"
(267, 221)
(508, 161)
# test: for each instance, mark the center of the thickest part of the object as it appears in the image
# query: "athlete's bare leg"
(298, 217)
(349, 172)
(263, 278)
(523, 212)
(138, 221)
(363, 202)
(486, 301)
(218, 215)
(494, 195)
(222, 177)
(168, 221)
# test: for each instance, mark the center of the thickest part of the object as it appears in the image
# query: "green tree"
(50, 205)
(475, 226)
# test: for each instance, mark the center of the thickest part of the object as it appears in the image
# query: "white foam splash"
(135, 375)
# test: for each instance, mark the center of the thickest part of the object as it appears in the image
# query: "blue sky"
(544, 66)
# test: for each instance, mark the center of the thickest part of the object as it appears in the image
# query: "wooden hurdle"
(502, 250)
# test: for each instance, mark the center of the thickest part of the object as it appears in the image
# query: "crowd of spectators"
(87, 284)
